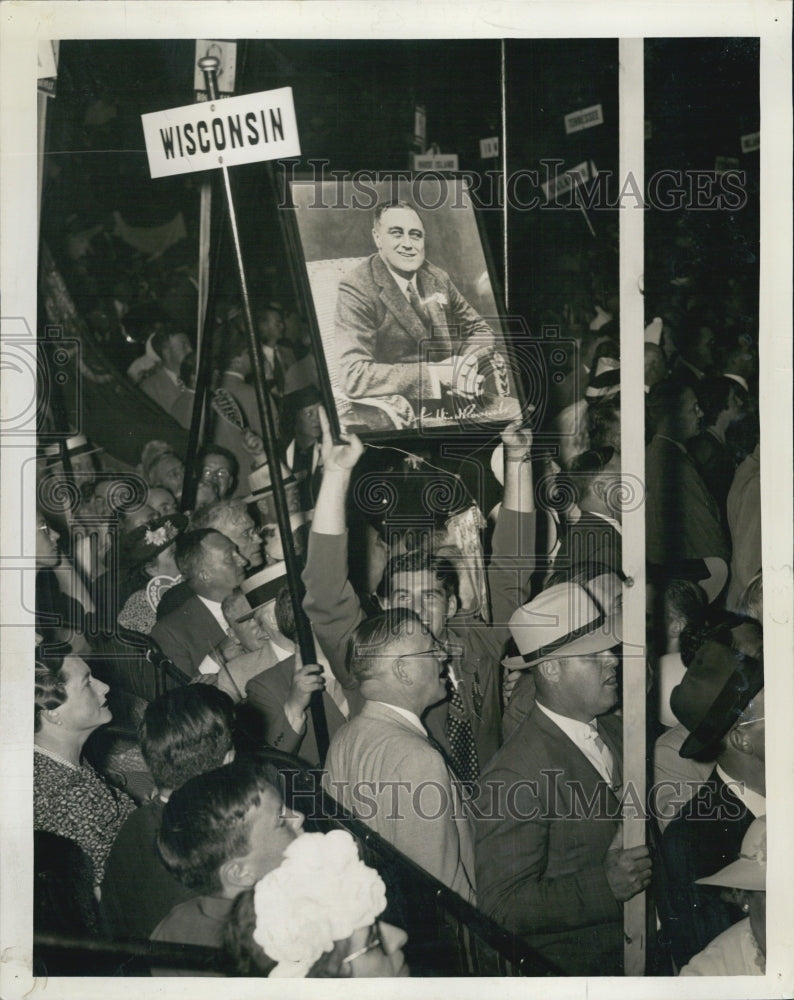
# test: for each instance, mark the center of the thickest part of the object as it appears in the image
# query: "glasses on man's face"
(437, 653)
(373, 941)
(222, 475)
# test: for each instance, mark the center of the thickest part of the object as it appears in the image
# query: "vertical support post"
(209, 67)
(206, 320)
(632, 437)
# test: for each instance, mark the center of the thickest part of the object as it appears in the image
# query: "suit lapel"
(428, 290)
(397, 304)
(571, 760)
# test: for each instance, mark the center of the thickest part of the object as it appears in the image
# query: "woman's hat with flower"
(146, 542)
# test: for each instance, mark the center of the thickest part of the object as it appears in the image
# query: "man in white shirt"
(549, 867)
(382, 765)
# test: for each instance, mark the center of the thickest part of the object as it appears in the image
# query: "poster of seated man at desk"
(405, 305)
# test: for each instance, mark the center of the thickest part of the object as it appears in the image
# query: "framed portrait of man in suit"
(408, 331)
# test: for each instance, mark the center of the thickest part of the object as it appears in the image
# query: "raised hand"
(517, 438)
(338, 457)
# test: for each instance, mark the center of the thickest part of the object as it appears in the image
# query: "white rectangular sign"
(435, 161)
(584, 118)
(563, 183)
(226, 132)
(751, 142)
(489, 147)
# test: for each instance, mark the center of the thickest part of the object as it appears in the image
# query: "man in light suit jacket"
(162, 382)
(212, 568)
(548, 821)
(393, 307)
(382, 765)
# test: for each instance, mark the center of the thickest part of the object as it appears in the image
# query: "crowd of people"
(468, 660)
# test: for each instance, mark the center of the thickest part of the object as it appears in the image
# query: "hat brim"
(741, 874)
(737, 693)
(607, 635)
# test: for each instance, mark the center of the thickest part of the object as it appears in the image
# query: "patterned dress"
(75, 802)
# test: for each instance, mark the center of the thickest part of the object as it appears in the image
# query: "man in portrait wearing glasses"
(720, 701)
(395, 306)
(383, 766)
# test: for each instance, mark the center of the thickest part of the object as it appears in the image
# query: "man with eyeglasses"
(384, 767)
(218, 465)
(720, 701)
(468, 724)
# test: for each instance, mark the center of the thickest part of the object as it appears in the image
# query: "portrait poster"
(660, 43)
(377, 348)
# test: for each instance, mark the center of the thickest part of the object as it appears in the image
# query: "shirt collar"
(406, 714)
(577, 731)
(215, 610)
(752, 801)
(403, 283)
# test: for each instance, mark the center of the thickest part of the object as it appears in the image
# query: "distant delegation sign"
(226, 133)
(584, 118)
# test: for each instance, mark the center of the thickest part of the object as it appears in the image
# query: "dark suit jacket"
(592, 540)
(174, 598)
(187, 635)
(682, 520)
(540, 846)
(706, 836)
(138, 891)
(380, 336)
(268, 691)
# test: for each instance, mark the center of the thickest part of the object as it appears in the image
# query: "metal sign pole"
(209, 67)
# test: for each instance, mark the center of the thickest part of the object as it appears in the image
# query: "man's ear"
(549, 670)
(376, 237)
(236, 875)
(741, 740)
(452, 605)
(401, 674)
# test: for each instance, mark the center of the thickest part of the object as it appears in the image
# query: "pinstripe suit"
(539, 851)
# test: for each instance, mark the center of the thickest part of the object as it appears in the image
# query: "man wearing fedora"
(549, 864)
(720, 701)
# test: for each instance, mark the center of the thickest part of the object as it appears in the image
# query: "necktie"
(462, 748)
(418, 307)
(603, 752)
